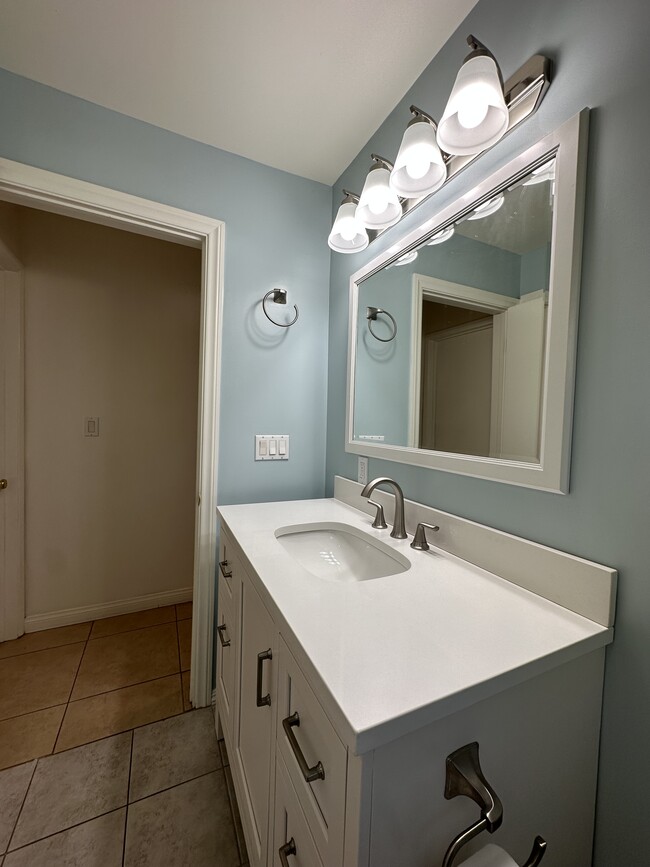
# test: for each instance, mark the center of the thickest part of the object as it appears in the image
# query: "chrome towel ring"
(371, 316)
(279, 297)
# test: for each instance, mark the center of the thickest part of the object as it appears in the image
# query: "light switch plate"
(271, 447)
(91, 426)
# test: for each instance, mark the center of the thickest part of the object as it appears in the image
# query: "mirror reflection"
(451, 358)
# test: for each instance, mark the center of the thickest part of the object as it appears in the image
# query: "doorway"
(49, 192)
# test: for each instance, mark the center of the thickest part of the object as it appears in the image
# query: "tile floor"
(61, 688)
(159, 795)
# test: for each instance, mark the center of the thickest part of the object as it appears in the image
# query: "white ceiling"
(300, 85)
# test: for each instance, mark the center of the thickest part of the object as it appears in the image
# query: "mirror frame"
(569, 145)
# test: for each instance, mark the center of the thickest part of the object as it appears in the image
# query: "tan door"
(12, 581)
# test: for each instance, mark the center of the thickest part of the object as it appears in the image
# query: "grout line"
(176, 785)
(126, 686)
(83, 653)
(132, 629)
(41, 649)
(20, 812)
(128, 794)
(63, 830)
(27, 713)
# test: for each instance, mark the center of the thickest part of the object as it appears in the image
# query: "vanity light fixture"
(379, 206)
(480, 110)
(348, 235)
(476, 116)
(441, 237)
(487, 208)
(420, 167)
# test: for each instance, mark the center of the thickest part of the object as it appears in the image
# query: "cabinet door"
(255, 730)
(291, 835)
(227, 635)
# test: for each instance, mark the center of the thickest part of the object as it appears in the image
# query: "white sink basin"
(339, 552)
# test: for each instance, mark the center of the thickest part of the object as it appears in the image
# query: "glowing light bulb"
(417, 166)
(472, 112)
(377, 201)
(348, 230)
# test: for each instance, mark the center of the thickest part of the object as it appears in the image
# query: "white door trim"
(37, 188)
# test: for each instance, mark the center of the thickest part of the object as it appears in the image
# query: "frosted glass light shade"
(378, 206)
(441, 237)
(476, 115)
(419, 167)
(347, 235)
(487, 208)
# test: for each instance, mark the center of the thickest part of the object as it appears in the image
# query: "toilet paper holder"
(465, 777)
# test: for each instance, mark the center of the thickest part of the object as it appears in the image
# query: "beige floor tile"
(27, 737)
(111, 712)
(173, 751)
(184, 611)
(136, 620)
(97, 842)
(189, 824)
(14, 783)
(185, 643)
(187, 704)
(45, 639)
(125, 659)
(37, 680)
(73, 787)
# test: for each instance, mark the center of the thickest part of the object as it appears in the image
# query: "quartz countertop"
(389, 655)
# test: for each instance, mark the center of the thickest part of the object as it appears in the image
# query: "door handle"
(310, 774)
(222, 631)
(262, 700)
(3, 484)
(223, 565)
(286, 850)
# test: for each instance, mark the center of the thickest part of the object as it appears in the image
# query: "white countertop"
(389, 655)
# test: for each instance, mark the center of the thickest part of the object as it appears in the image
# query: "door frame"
(37, 188)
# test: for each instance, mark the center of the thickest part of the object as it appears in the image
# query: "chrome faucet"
(398, 531)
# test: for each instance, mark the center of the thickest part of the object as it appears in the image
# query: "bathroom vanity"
(339, 699)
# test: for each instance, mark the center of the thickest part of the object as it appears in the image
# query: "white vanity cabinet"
(318, 788)
(246, 696)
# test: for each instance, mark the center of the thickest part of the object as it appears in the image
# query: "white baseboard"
(67, 616)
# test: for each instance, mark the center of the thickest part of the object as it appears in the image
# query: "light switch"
(271, 447)
(91, 426)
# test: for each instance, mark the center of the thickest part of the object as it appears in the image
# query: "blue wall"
(274, 380)
(601, 60)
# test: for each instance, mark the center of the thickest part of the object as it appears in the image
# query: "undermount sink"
(340, 552)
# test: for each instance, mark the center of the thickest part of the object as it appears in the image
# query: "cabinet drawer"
(305, 732)
(290, 828)
(227, 640)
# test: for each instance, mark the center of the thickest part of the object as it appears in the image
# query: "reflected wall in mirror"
(467, 361)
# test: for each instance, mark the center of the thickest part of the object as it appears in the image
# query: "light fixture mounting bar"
(382, 161)
(418, 112)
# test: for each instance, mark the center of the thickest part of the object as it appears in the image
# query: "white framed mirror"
(462, 336)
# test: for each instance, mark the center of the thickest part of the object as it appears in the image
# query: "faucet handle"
(420, 539)
(380, 521)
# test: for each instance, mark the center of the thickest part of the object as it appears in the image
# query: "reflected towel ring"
(279, 297)
(371, 316)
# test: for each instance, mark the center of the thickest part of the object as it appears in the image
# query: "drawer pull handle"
(262, 700)
(286, 850)
(223, 565)
(310, 774)
(222, 631)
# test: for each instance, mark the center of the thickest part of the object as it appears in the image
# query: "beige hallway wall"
(112, 330)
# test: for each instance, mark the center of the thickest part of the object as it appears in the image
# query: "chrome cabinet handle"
(286, 850)
(262, 700)
(223, 565)
(310, 774)
(221, 630)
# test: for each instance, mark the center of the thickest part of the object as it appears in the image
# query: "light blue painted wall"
(274, 380)
(601, 58)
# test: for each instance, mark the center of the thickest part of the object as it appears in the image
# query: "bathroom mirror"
(462, 337)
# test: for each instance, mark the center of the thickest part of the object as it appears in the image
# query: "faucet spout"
(399, 530)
